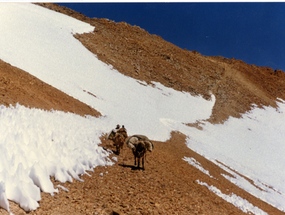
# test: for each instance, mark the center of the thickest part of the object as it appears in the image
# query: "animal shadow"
(131, 166)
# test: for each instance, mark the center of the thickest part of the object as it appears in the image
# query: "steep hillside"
(17, 86)
(138, 54)
(169, 184)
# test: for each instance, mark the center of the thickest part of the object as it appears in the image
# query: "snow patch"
(63, 62)
(3, 198)
(252, 146)
(196, 164)
(37, 144)
(63, 188)
(237, 201)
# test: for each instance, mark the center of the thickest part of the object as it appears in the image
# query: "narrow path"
(166, 186)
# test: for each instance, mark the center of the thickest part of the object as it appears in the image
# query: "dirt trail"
(168, 185)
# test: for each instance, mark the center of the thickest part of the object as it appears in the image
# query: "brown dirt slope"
(168, 185)
(17, 86)
(143, 56)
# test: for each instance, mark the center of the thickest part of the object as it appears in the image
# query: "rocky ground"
(143, 56)
(17, 86)
(168, 185)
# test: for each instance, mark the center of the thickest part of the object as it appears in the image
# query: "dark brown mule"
(139, 144)
(118, 136)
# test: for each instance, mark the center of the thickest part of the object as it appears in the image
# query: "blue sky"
(252, 32)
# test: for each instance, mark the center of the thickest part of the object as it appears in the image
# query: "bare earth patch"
(168, 185)
(18, 86)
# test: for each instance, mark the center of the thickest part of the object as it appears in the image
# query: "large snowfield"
(37, 144)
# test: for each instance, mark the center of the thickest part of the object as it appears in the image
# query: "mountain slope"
(17, 86)
(168, 65)
(138, 54)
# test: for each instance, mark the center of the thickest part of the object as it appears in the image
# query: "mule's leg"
(123, 155)
(122, 145)
(143, 161)
(139, 162)
(118, 149)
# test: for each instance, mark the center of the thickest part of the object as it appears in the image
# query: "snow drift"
(58, 59)
(37, 144)
(253, 146)
(46, 144)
